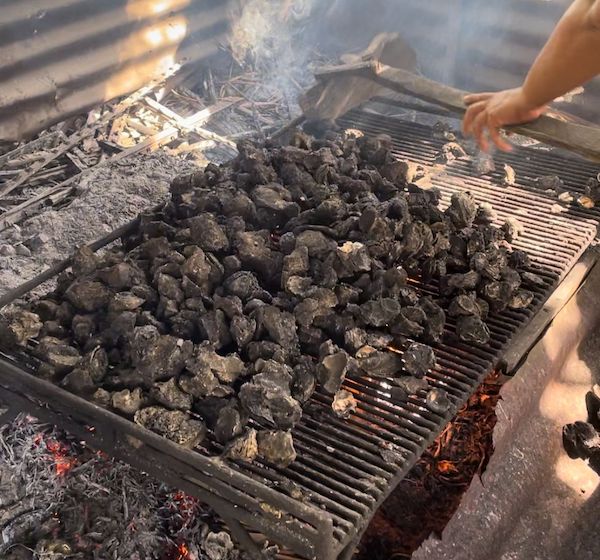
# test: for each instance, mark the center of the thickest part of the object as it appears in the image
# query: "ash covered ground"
(105, 199)
(58, 499)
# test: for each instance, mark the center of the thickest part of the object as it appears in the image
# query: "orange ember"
(447, 467)
(63, 463)
(184, 552)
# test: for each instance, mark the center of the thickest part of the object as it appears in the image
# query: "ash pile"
(288, 268)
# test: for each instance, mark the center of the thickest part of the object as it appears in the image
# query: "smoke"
(271, 36)
(465, 43)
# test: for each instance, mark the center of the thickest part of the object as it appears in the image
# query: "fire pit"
(319, 504)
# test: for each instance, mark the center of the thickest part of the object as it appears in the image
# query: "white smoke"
(268, 35)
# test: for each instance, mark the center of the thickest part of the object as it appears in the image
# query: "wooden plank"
(581, 139)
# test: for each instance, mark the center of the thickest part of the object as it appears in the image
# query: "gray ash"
(287, 268)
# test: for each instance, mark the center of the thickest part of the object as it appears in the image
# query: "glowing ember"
(62, 462)
(447, 467)
(184, 552)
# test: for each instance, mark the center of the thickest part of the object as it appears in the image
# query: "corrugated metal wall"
(60, 57)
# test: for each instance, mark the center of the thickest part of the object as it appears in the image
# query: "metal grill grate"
(320, 505)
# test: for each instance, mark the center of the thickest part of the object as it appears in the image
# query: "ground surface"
(108, 197)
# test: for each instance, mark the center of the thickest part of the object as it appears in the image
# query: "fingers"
(497, 139)
(480, 130)
(479, 123)
(472, 113)
(476, 97)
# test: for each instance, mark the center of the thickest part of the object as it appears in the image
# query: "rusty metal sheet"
(61, 57)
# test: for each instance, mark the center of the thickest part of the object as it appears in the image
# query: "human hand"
(488, 112)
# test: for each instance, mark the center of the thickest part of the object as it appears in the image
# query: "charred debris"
(289, 267)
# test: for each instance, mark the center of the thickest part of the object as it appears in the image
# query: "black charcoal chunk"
(84, 261)
(52, 328)
(354, 339)
(409, 385)
(316, 243)
(226, 368)
(169, 288)
(62, 357)
(453, 282)
(172, 424)
(243, 448)
(17, 327)
(437, 401)
(497, 294)
(208, 234)
(158, 357)
(254, 252)
(102, 398)
(436, 319)
(521, 299)
(377, 363)
(532, 280)
(351, 259)
(410, 322)
(127, 402)
(88, 295)
(244, 285)
(462, 210)
(274, 205)
(276, 448)
(231, 265)
(242, 330)
(464, 305)
(519, 259)
(213, 328)
(229, 424)
(121, 276)
(267, 350)
(171, 396)
(419, 359)
(379, 313)
(125, 301)
(95, 363)
(267, 397)
(304, 381)
(79, 381)
(344, 404)
(592, 402)
(280, 325)
(472, 329)
(580, 440)
(331, 371)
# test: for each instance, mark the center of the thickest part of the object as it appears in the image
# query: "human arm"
(570, 58)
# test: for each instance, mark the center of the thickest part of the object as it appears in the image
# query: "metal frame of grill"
(319, 507)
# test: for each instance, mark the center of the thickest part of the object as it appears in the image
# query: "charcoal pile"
(290, 267)
(581, 440)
